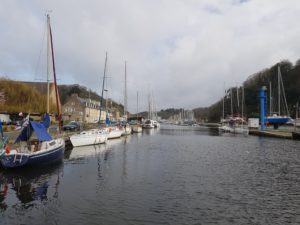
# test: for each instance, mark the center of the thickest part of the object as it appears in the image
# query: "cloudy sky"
(181, 51)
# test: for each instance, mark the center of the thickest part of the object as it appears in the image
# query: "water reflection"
(151, 131)
(28, 185)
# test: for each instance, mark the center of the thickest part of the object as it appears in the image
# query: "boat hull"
(114, 134)
(15, 159)
(82, 140)
(137, 129)
(277, 120)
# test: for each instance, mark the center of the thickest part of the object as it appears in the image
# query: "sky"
(182, 52)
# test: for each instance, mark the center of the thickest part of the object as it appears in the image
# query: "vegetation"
(19, 97)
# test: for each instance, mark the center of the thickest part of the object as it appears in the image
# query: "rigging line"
(40, 52)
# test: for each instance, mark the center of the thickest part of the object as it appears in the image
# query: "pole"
(262, 96)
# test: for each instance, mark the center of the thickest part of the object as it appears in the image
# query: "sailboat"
(234, 123)
(275, 118)
(43, 149)
(111, 131)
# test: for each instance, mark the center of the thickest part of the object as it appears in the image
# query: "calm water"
(175, 175)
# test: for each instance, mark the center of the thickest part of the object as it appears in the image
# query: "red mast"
(55, 84)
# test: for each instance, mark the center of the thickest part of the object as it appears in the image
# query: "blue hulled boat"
(34, 146)
(280, 120)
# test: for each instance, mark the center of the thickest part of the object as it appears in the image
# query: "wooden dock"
(272, 133)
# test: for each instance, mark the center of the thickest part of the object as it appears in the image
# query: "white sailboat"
(276, 118)
(90, 137)
(111, 131)
(234, 124)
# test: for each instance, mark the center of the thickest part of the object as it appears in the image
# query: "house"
(82, 110)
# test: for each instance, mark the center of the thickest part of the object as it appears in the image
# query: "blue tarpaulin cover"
(38, 128)
(46, 120)
(107, 121)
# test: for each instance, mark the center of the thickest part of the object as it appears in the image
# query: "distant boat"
(40, 150)
(156, 124)
(137, 129)
(148, 124)
(234, 123)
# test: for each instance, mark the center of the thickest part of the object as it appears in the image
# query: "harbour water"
(174, 175)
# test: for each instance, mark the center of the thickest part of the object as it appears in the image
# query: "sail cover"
(46, 120)
(36, 127)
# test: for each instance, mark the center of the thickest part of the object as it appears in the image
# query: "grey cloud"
(180, 50)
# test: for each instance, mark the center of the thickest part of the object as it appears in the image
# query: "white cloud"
(182, 50)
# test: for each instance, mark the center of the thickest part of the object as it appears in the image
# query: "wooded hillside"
(291, 81)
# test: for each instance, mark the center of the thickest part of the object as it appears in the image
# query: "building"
(82, 110)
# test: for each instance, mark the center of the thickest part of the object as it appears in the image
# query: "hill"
(19, 96)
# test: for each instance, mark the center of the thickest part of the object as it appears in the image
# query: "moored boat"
(113, 132)
(137, 129)
(127, 130)
(148, 124)
(41, 150)
(91, 137)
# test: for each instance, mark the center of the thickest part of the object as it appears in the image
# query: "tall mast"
(224, 103)
(278, 76)
(284, 98)
(101, 103)
(137, 104)
(271, 99)
(125, 94)
(231, 107)
(243, 106)
(48, 62)
(237, 97)
(54, 78)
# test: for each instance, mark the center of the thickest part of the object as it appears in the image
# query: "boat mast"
(54, 77)
(243, 106)
(278, 78)
(224, 102)
(125, 95)
(284, 98)
(137, 105)
(271, 99)
(231, 107)
(101, 103)
(48, 62)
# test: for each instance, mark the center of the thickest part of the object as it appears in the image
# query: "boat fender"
(7, 150)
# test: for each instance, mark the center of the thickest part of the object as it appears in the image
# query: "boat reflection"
(150, 131)
(29, 185)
